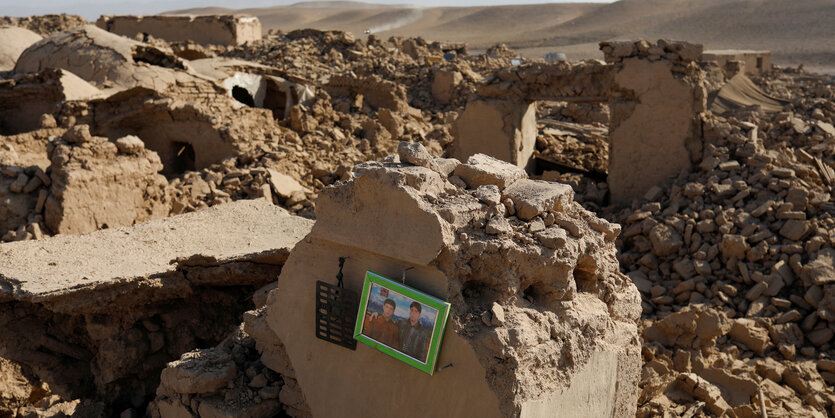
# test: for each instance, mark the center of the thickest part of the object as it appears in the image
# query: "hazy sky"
(91, 9)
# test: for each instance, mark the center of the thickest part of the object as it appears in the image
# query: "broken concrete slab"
(42, 273)
(99, 315)
(145, 250)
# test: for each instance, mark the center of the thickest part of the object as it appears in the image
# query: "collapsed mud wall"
(541, 316)
(26, 98)
(500, 128)
(120, 62)
(58, 180)
(655, 93)
(753, 63)
(205, 30)
(99, 315)
(658, 94)
(193, 130)
(374, 89)
(98, 184)
(255, 85)
(586, 81)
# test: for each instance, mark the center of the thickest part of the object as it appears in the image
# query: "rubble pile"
(573, 146)
(327, 135)
(230, 379)
(554, 259)
(585, 113)
(318, 144)
(573, 134)
(432, 84)
(26, 99)
(44, 25)
(732, 255)
(24, 166)
(733, 260)
(514, 256)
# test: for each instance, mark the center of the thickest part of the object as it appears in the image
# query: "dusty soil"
(797, 32)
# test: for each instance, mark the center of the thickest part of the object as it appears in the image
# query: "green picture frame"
(393, 329)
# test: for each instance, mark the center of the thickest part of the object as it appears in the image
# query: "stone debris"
(744, 236)
(130, 145)
(729, 239)
(482, 170)
(44, 25)
(512, 284)
(230, 379)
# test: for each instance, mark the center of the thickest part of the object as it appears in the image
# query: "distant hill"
(797, 31)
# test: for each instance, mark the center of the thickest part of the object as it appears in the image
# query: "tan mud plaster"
(206, 30)
(359, 379)
(503, 129)
(645, 148)
(398, 216)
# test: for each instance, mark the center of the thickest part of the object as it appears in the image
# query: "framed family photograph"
(400, 321)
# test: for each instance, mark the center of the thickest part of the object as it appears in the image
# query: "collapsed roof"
(106, 60)
(13, 41)
(741, 92)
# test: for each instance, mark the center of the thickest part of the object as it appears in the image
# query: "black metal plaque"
(336, 314)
